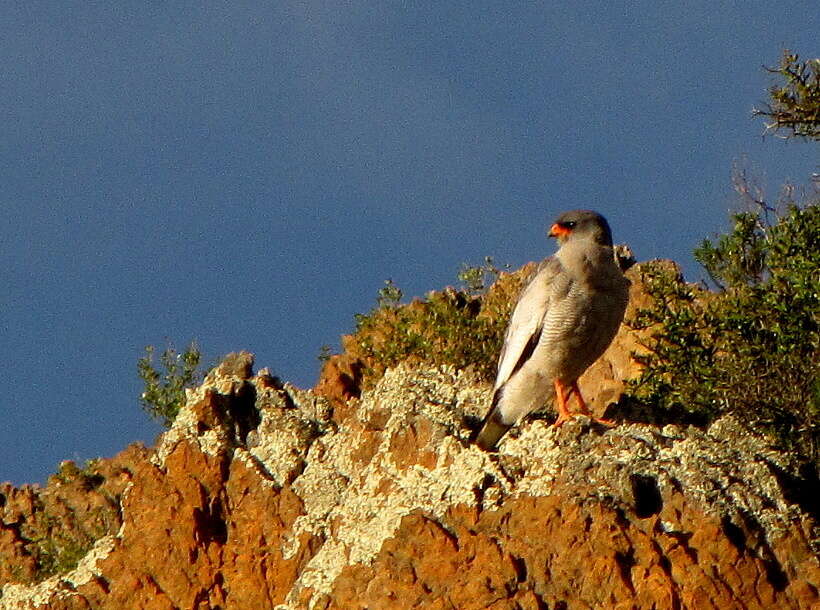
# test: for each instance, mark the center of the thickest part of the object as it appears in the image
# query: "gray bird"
(564, 320)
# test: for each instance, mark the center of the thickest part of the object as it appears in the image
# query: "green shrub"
(87, 476)
(59, 552)
(67, 520)
(752, 349)
(164, 392)
(794, 105)
(460, 327)
(476, 280)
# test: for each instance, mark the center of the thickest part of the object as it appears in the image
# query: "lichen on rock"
(262, 495)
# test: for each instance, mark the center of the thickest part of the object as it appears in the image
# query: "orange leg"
(585, 410)
(563, 412)
(561, 403)
(582, 406)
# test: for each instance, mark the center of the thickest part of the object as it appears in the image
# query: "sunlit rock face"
(263, 495)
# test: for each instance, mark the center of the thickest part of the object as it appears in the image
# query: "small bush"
(66, 522)
(476, 280)
(463, 328)
(87, 476)
(164, 392)
(752, 349)
(59, 553)
(794, 105)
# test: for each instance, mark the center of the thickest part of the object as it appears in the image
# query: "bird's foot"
(562, 419)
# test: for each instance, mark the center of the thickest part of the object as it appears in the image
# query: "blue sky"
(249, 174)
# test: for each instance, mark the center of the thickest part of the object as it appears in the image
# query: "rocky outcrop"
(342, 377)
(262, 495)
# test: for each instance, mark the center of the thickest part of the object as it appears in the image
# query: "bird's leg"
(561, 403)
(582, 406)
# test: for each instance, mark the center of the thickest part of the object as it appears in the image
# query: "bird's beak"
(558, 231)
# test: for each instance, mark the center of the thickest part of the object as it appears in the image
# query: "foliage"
(795, 105)
(325, 353)
(739, 257)
(477, 279)
(87, 476)
(752, 349)
(60, 552)
(60, 533)
(164, 392)
(389, 295)
(463, 328)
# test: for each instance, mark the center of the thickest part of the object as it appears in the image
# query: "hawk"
(564, 320)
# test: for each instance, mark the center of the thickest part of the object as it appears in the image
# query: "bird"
(564, 319)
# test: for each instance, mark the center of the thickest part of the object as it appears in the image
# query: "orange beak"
(557, 230)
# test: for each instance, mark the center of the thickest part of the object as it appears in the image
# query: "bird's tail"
(493, 426)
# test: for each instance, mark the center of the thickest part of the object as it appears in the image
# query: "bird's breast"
(579, 327)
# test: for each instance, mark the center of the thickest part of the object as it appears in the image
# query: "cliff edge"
(263, 495)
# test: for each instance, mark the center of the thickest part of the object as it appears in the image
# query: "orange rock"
(260, 497)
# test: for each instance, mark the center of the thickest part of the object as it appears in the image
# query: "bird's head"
(581, 224)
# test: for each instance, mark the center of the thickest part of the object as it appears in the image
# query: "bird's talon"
(560, 421)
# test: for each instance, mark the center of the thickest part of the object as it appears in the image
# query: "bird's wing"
(527, 318)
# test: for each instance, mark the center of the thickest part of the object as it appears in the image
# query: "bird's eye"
(568, 225)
